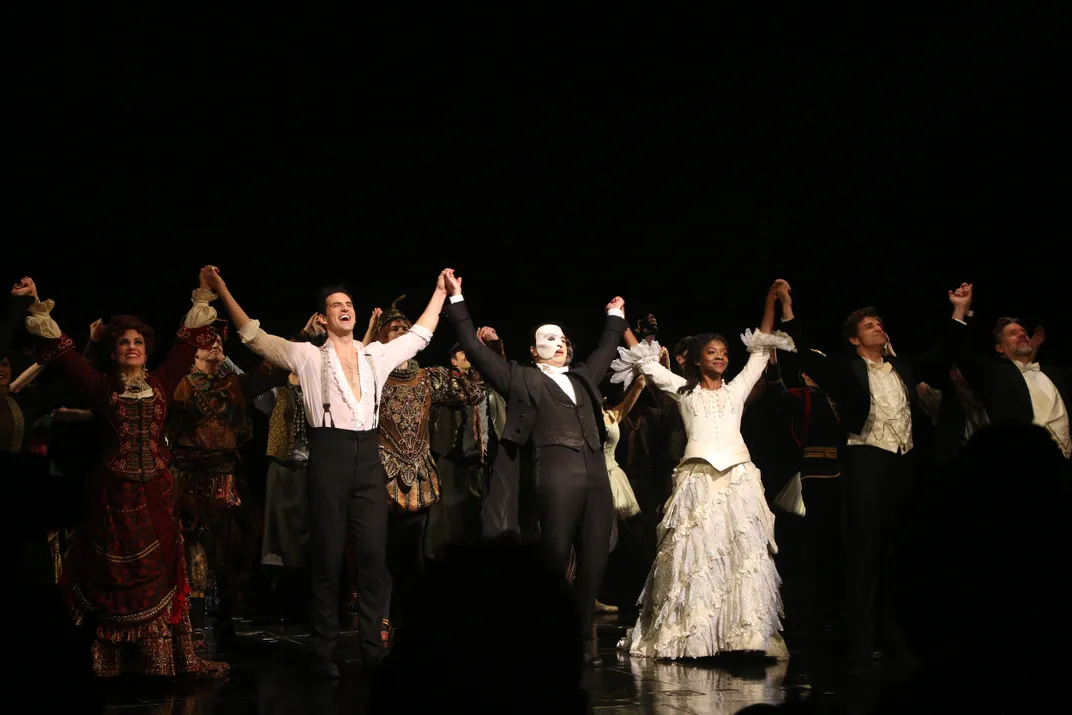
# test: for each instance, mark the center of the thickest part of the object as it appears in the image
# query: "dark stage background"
(555, 161)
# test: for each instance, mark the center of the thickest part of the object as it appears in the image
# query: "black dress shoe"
(591, 660)
(325, 668)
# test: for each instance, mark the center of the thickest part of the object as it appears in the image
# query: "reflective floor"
(270, 677)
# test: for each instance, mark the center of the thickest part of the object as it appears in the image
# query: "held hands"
(487, 335)
(449, 282)
(616, 304)
(210, 279)
(26, 286)
(780, 291)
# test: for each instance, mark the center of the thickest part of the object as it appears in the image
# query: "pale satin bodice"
(614, 434)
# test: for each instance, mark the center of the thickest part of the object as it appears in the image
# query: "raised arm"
(195, 332)
(614, 325)
(812, 361)
(51, 346)
(967, 360)
(492, 365)
(370, 333)
(760, 344)
(22, 297)
(405, 346)
(645, 359)
(272, 348)
(631, 397)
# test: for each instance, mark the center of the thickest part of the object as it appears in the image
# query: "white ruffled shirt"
(304, 359)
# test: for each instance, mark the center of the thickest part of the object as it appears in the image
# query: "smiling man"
(341, 386)
(1014, 388)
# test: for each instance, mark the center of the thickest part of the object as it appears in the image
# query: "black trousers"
(406, 539)
(822, 546)
(876, 483)
(346, 491)
(576, 511)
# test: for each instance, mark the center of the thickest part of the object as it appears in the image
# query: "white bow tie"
(879, 366)
(552, 370)
(1030, 366)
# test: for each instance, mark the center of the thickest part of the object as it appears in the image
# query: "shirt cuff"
(422, 332)
(456, 298)
(249, 331)
(960, 321)
(616, 312)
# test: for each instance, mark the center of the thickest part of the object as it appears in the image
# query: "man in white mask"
(553, 418)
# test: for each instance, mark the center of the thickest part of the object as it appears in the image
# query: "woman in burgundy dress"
(125, 575)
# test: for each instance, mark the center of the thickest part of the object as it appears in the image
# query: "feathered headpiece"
(392, 313)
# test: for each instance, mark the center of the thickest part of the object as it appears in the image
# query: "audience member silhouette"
(493, 629)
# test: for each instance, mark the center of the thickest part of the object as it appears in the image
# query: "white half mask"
(549, 340)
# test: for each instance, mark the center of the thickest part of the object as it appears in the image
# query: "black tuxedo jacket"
(999, 384)
(845, 380)
(522, 386)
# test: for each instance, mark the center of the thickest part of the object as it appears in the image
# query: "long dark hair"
(691, 367)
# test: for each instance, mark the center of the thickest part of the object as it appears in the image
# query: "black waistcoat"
(559, 421)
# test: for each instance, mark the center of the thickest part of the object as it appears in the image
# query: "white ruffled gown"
(713, 587)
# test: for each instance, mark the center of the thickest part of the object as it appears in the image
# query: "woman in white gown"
(713, 587)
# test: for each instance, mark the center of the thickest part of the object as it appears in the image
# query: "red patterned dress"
(125, 575)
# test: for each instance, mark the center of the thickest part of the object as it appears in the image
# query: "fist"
(1038, 337)
(616, 304)
(487, 335)
(962, 295)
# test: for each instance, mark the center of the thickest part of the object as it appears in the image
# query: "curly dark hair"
(692, 361)
(119, 324)
(851, 327)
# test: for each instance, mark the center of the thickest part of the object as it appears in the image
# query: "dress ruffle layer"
(714, 587)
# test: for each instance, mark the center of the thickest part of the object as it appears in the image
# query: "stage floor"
(270, 676)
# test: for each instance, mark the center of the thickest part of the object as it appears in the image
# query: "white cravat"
(558, 374)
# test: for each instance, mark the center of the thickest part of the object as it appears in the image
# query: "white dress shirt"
(1046, 405)
(304, 359)
(558, 374)
(889, 423)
